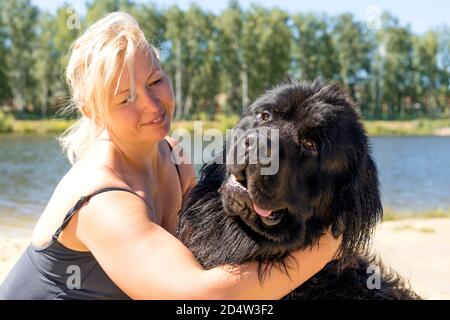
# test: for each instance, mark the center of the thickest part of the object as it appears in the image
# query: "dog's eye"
(265, 116)
(309, 145)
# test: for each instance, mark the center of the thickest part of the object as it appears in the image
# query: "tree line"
(220, 62)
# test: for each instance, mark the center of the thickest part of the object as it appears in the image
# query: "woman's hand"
(326, 249)
(243, 283)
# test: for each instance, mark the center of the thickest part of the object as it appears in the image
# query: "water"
(30, 168)
(414, 174)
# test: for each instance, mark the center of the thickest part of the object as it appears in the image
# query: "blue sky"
(420, 15)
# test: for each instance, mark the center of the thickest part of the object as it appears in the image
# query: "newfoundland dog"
(325, 179)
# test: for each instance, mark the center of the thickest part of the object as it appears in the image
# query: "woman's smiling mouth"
(156, 122)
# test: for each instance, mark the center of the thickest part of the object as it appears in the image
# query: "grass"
(57, 126)
(6, 121)
(391, 215)
(222, 122)
(40, 126)
(418, 127)
(408, 227)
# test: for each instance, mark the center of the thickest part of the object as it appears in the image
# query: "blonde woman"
(108, 229)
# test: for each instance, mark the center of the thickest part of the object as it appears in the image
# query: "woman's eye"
(128, 100)
(155, 82)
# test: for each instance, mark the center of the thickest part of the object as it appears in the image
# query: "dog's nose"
(257, 148)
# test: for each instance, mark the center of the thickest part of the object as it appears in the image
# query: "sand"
(443, 132)
(419, 249)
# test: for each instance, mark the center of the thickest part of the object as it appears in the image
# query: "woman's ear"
(86, 111)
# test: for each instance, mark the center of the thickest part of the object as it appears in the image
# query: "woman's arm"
(147, 262)
(244, 283)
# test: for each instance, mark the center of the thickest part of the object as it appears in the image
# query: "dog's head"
(325, 176)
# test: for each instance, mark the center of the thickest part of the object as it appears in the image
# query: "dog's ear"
(338, 225)
(362, 207)
(369, 194)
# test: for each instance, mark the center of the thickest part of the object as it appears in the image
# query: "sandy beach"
(419, 249)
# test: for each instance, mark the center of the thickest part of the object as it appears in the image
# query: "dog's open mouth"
(238, 189)
(273, 219)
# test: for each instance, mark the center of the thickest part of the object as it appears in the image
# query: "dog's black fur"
(326, 180)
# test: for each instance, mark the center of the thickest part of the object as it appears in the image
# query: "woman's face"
(147, 116)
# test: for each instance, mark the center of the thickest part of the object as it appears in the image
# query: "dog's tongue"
(262, 212)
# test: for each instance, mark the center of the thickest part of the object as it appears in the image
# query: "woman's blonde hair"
(106, 47)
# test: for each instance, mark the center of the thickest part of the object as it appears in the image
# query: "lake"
(414, 174)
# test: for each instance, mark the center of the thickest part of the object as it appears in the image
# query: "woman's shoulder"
(182, 160)
(107, 192)
(76, 184)
(83, 180)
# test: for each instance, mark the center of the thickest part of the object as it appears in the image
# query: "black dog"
(326, 179)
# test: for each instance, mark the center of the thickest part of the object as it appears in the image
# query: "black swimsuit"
(57, 272)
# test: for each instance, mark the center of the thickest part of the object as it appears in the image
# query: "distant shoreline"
(392, 215)
(418, 127)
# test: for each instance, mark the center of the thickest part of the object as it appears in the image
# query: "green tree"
(397, 70)
(173, 53)
(99, 8)
(352, 45)
(65, 30)
(200, 65)
(266, 45)
(44, 54)
(5, 90)
(190, 58)
(427, 73)
(20, 18)
(314, 53)
(229, 27)
(443, 62)
(234, 56)
(152, 22)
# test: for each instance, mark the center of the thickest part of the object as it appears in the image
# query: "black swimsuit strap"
(176, 165)
(84, 200)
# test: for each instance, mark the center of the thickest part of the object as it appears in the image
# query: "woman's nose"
(151, 103)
